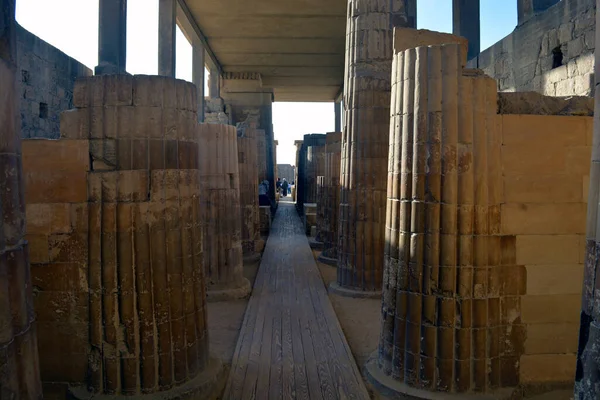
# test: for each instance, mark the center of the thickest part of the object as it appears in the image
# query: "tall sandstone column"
(587, 376)
(114, 214)
(448, 309)
(369, 37)
(314, 164)
(220, 181)
(248, 166)
(19, 368)
(329, 200)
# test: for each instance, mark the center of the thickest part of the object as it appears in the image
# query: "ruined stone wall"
(286, 171)
(46, 79)
(546, 166)
(523, 61)
(19, 366)
(215, 111)
(114, 224)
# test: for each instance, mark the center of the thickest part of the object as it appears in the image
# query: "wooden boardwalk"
(291, 345)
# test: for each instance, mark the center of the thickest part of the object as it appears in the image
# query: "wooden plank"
(291, 344)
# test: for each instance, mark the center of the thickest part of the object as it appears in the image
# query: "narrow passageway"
(291, 344)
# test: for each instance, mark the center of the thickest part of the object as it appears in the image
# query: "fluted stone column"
(19, 367)
(314, 165)
(118, 266)
(587, 376)
(448, 308)
(369, 37)
(220, 179)
(301, 181)
(328, 207)
(248, 166)
(298, 144)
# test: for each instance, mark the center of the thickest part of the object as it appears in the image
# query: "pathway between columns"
(291, 344)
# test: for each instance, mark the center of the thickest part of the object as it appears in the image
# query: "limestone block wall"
(248, 169)
(523, 61)
(115, 229)
(546, 166)
(220, 180)
(46, 78)
(19, 366)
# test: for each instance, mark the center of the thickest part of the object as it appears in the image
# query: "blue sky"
(72, 26)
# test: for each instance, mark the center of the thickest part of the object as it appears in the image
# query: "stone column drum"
(248, 167)
(314, 165)
(114, 215)
(223, 259)
(448, 304)
(19, 368)
(328, 206)
(587, 376)
(301, 178)
(369, 37)
(298, 144)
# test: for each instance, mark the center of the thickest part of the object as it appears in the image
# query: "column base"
(207, 384)
(252, 258)
(393, 389)
(109, 69)
(235, 291)
(325, 259)
(315, 244)
(335, 288)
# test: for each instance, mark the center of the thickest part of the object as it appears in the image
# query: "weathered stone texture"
(247, 102)
(46, 79)
(117, 259)
(446, 315)
(248, 167)
(587, 377)
(365, 139)
(314, 165)
(523, 61)
(328, 196)
(220, 180)
(546, 166)
(19, 366)
(484, 231)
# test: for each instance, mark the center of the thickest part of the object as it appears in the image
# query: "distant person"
(263, 193)
(278, 185)
(285, 187)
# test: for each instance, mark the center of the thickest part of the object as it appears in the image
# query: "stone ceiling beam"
(190, 27)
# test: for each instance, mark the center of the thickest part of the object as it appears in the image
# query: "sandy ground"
(224, 323)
